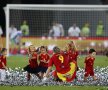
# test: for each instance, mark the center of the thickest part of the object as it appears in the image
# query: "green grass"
(53, 88)
(21, 61)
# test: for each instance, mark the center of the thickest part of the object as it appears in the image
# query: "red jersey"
(73, 55)
(61, 63)
(89, 61)
(2, 60)
(33, 62)
(44, 57)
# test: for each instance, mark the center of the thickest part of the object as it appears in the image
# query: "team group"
(64, 62)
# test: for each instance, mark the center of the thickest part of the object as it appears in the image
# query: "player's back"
(61, 62)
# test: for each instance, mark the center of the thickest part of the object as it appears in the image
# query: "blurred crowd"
(57, 30)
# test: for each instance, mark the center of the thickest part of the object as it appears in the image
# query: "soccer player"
(3, 63)
(44, 59)
(89, 62)
(64, 68)
(33, 64)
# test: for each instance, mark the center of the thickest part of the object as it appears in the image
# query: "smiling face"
(32, 48)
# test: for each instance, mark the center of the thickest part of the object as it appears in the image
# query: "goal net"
(49, 25)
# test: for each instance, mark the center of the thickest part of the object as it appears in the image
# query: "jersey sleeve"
(85, 60)
(50, 62)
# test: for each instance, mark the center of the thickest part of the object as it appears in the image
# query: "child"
(72, 51)
(3, 64)
(44, 59)
(89, 62)
(33, 64)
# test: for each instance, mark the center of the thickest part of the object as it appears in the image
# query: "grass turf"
(21, 61)
(53, 88)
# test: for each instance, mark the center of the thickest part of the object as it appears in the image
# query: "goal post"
(40, 19)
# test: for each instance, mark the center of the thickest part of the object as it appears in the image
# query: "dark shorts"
(42, 69)
(31, 70)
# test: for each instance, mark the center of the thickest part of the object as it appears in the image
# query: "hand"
(6, 68)
(43, 61)
(44, 79)
(68, 76)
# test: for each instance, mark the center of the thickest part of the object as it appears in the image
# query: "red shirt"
(61, 63)
(73, 55)
(33, 62)
(89, 61)
(2, 60)
(44, 57)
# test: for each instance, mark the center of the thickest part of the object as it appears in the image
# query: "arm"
(50, 32)
(48, 71)
(4, 65)
(31, 56)
(84, 65)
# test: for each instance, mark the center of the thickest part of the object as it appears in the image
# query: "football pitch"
(53, 88)
(21, 61)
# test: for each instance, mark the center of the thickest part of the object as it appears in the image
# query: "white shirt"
(12, 32)
(57, 30)
(74, 31)
(1, 31)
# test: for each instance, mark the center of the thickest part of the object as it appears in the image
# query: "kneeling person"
(64, 68)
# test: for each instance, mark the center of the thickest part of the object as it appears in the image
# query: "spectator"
(85, 30)
(100, 29)
(25, 28)
(74, 31)
(12, 30)
(12, 33)
(15, 35)
(56, 30)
